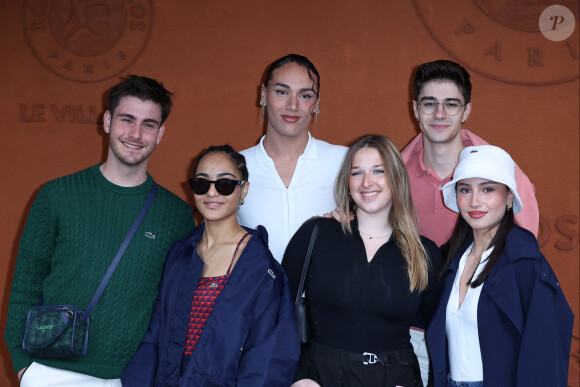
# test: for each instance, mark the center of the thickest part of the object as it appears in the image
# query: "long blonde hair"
(402, 217)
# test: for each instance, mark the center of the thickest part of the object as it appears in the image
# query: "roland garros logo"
(514, 41)
(86, 40)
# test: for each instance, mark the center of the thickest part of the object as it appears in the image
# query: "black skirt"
(332, 367)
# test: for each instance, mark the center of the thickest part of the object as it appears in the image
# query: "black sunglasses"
(224, 187)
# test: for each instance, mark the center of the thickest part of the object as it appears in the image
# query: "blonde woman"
(367, 278)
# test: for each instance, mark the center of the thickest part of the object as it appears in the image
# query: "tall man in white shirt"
(292, 174)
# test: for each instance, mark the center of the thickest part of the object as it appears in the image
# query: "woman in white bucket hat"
(502, 318)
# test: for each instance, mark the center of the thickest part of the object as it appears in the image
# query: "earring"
(316, 116)
(263, 105)
(463, 121)
(242, 201)
(509, 206)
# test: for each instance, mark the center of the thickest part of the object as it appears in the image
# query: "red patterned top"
(204, 298)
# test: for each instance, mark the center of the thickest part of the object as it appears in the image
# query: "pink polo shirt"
(436, 221)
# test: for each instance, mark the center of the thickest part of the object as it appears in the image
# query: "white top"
(461, 326)
(283, 210)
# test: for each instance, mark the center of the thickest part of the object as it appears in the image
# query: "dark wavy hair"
(145, 89)
(442, 70)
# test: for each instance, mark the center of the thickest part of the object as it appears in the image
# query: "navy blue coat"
(250, 339)
(524, 321)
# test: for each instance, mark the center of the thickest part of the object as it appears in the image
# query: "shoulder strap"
(307, 262)
(235, 252)
(121, 251)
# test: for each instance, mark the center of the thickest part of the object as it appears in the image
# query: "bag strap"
(307, 262)
(120, 253)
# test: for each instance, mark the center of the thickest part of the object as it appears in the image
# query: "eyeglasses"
(430, 106)
(224, 187)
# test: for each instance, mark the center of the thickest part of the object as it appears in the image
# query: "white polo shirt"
(283, 210)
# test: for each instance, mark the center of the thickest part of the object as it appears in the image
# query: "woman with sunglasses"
(367, 278)
(224, 315)
(502, 319)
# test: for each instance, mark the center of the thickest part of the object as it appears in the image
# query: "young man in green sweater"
(73, 231)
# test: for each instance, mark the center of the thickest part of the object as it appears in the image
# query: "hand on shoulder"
(337, 215)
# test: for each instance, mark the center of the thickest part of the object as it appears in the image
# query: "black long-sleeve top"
(356, 305)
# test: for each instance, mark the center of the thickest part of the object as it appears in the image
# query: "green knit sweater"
(73, 231)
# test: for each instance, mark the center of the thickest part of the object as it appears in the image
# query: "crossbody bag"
(60, 331)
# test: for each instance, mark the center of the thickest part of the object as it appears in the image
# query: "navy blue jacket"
(250, 339)
(524, 321)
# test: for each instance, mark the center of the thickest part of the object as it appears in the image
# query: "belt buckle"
(371, 360)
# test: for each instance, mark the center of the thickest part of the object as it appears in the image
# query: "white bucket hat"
(486, 162)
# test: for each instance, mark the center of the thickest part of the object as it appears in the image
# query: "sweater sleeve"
(32, 266)
(142, 368)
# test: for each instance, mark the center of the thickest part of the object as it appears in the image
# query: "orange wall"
(213, 54)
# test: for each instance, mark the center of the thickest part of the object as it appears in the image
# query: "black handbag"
(300, 307)
(60, 331)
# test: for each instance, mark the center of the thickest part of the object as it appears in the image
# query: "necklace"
(374, 236)
(210, 258)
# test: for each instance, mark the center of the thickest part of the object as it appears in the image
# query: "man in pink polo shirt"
(442, 95)
(442, 103)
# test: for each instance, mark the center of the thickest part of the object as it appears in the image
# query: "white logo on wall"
(524, 42)
(86, 41)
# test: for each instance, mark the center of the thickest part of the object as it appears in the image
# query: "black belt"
(400, 357)
(371, 358)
